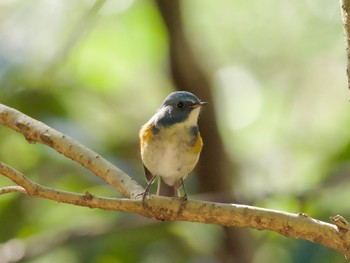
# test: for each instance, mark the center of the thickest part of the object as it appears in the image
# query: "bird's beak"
(198, 104)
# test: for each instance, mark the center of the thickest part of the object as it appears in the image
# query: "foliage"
(279, 83)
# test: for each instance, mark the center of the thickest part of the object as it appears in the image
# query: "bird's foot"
(183, 201)
(144, 194)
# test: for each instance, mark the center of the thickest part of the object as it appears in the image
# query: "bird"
(171, 143)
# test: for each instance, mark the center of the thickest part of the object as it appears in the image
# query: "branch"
(290, 225)
(345, 9)
(162, 208)
(12, 189)
(35, 131)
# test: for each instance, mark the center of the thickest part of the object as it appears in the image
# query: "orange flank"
(199, 143)
(146, 134)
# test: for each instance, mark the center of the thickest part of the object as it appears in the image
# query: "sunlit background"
(98, 70)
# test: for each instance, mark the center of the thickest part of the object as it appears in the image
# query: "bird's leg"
(185, 192)
(183, 199)
(146, 192)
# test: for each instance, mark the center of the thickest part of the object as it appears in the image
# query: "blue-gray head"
(179, 106)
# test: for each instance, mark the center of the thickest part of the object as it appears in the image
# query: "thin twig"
(12, 189)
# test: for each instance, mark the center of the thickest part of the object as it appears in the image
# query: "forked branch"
(290, 225)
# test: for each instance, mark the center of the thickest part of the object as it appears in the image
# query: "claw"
(144, 194)
(182, 205)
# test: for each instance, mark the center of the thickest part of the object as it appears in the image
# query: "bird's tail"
(166, 190)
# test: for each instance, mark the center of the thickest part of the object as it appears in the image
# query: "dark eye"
(180, 104)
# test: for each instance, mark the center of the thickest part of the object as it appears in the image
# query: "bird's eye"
(180, 104)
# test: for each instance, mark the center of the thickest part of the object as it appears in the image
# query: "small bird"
(170, 143)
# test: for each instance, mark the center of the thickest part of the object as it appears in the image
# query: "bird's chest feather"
(172, 152)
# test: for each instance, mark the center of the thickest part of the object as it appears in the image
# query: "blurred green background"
(98, 70)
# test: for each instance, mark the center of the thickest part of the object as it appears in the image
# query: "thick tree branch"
(35, 131)
(345, 9)
(290, 225)
(162, 208)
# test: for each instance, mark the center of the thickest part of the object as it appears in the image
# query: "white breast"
(170, 155)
